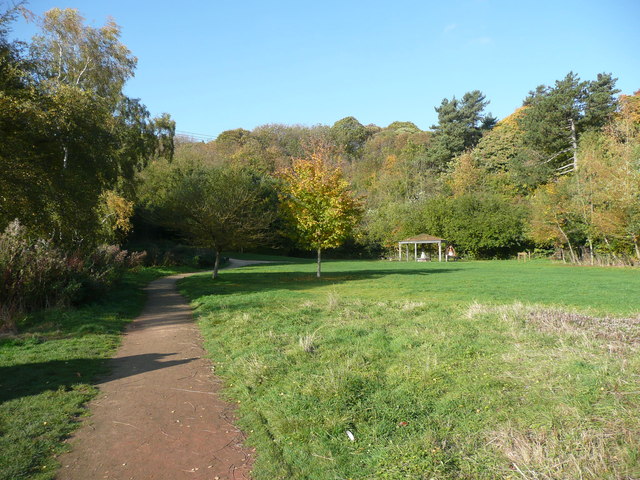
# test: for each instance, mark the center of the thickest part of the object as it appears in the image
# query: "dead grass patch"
(567, 454)
(616, 334)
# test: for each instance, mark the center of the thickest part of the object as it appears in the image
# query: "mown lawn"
(476, 370)
(47, 374)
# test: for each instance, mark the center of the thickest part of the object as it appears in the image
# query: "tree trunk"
(216, 264)
(635, 244)
(574, 143)
(574, 259)
(590, 250)
(319, 269)
(615, 257)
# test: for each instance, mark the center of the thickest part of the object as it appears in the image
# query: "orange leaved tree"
(316, 199)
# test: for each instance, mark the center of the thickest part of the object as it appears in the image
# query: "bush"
(480, 225)
(36, 274)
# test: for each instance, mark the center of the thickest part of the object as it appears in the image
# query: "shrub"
(36, 274)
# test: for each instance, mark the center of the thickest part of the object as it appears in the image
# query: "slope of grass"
(46, 374)
(435, 370)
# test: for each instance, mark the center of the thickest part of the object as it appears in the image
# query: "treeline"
(82, 163)
(71, 145)
(560, 173)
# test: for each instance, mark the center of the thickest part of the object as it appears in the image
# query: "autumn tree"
(466, 176)
(552, 219)
(318, 203)
(609, 184)
(115, 214)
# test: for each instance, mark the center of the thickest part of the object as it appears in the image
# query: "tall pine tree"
(558, 115)
(461, 124)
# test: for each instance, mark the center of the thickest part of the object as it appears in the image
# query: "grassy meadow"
(47, 374)
(388, 370)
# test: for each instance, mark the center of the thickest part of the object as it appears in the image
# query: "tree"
(217, 208)
(70, 53)
(350, 135)
(552, 219)
(480, 224)
(466, 177)
(318, 203)
(557, 116)
(69, 133)
(115, 215)
(498, 147)
(609, 185)
(461, 124)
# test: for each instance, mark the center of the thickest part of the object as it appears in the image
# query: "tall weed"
(36, 274)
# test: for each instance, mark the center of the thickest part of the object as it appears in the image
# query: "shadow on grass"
(19, 381)
(247, 281)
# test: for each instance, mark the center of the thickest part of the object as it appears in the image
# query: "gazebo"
(420, 239)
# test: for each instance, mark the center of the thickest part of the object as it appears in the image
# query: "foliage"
(479, 224)
(551, 218)
(499, 146)
(557, 116)
(69, 132)
(387, 224)
(35, 274)
(466, 176)
(318, 203)
(599, 203)
(116, 213)
(461, 124)
(73, 144)
(212, 207)
(608, 190)
(349, 135)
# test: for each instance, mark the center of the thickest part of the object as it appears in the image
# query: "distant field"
(453, 370)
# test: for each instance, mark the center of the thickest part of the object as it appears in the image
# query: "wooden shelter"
(419, 240)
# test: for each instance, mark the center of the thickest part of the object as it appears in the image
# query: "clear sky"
(218, 65)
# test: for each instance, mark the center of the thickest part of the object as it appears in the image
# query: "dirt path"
(159, 415)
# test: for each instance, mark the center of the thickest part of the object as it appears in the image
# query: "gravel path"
(159, 415)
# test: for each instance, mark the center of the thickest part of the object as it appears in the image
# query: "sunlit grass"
(428, 370)
(47, 374)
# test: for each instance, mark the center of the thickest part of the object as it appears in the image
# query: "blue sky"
(219, 65)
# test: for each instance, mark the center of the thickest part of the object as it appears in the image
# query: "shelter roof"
(423, 238)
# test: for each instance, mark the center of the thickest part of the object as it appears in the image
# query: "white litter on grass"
(351, 436)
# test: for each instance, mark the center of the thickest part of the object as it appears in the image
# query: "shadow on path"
(33, 378)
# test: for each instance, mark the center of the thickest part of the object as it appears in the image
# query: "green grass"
(47, 371)
(474, 370)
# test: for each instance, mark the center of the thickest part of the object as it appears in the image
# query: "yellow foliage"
(318, 201)
(512, 120)
(466, 176)
(390, 163)
(116, 212)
